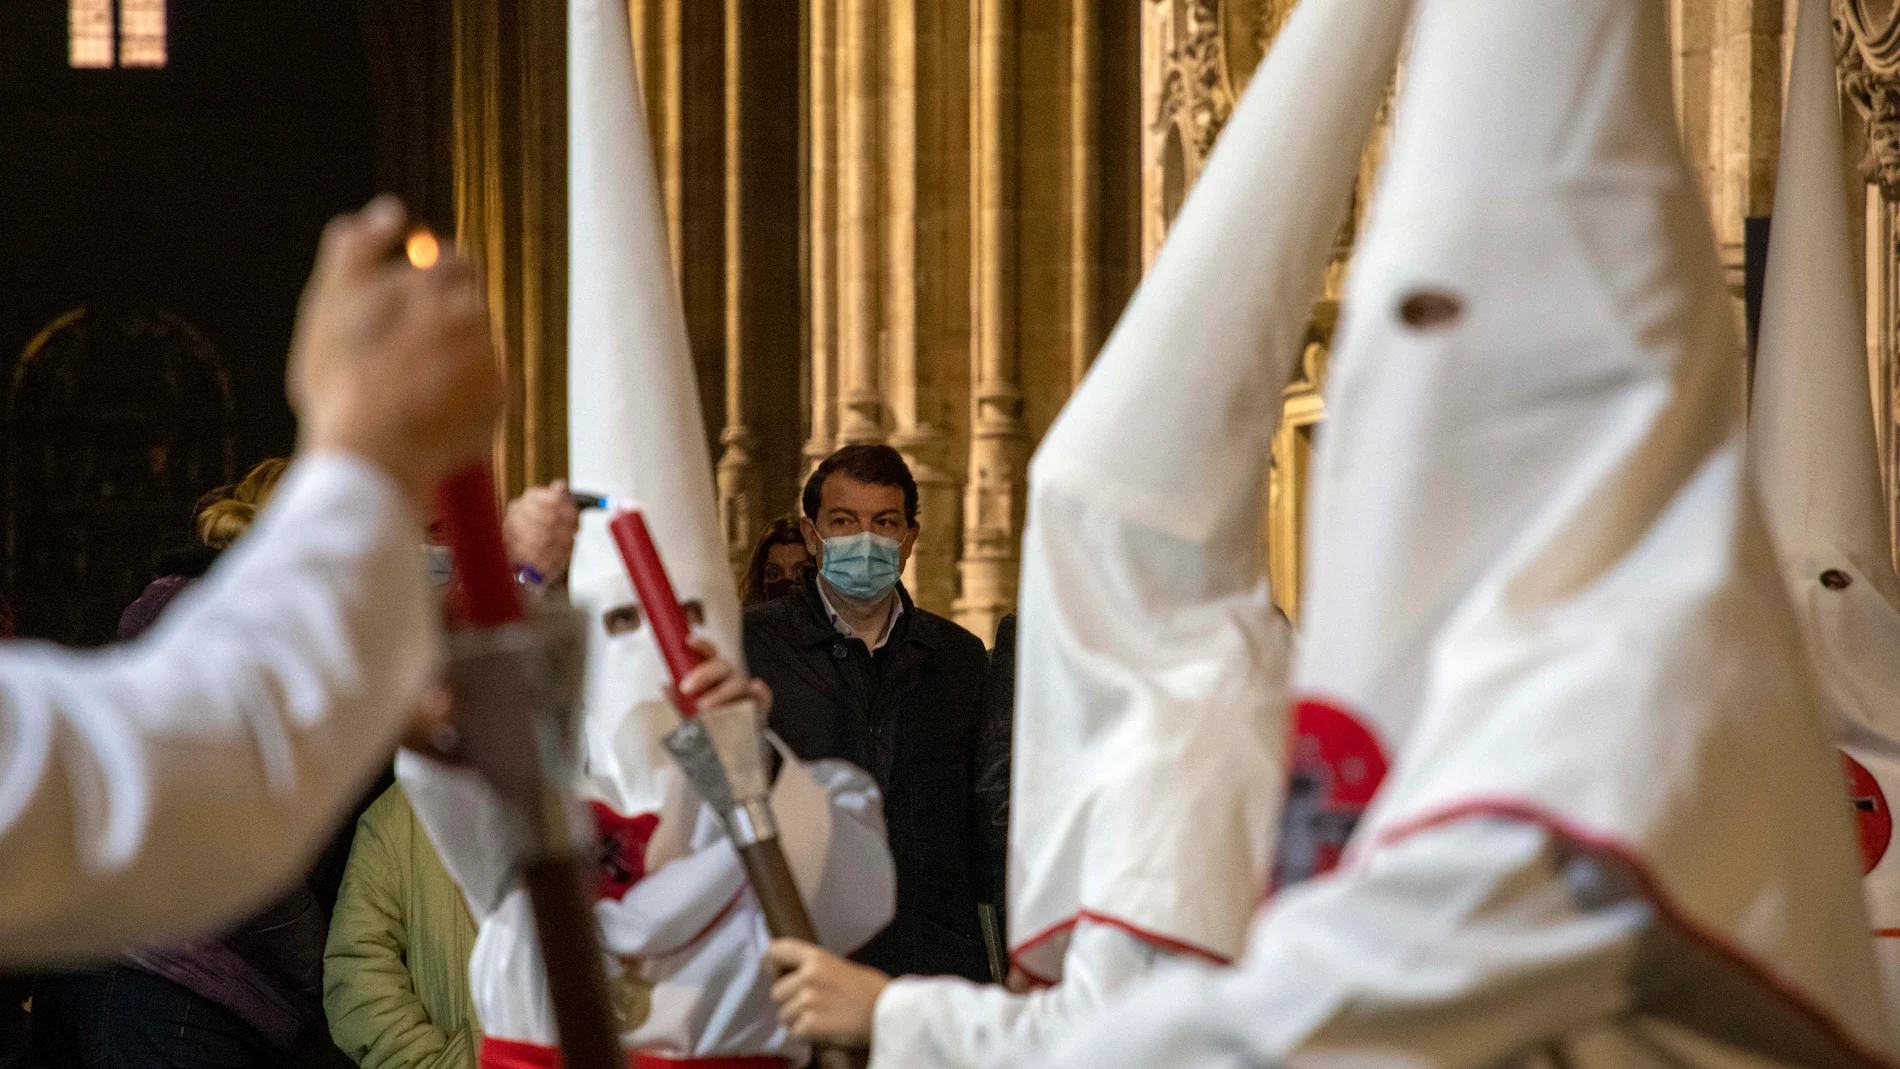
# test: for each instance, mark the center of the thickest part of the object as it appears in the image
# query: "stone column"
(759, 464)
(822, 81)
(1082, 309)
(860, 407)
(994, 500)
(1692, 35)
(510, 164)
(741, 510)
(924, 286)
(679, 49)
(1747, 130)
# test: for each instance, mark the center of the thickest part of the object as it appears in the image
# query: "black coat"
(910, 716)
(993, 749)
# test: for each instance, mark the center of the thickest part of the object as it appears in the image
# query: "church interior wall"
(179, 207)
(901, 221)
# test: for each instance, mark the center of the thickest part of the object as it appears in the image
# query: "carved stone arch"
(118, 417)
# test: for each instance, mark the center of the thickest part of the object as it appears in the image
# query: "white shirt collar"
(843, 628)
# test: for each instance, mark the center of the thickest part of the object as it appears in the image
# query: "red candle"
(661, 605)
(465, 505)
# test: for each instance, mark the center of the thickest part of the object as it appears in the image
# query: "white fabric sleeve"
(832, 831)
(951, 1023)
(1356, 966)
(151, 790)
(670, 909)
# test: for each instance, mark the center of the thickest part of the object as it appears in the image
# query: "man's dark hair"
(873, 465)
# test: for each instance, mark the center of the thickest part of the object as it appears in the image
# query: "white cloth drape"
(1150, 724)
(1813, 449)
(1542, 600)
(151, 790)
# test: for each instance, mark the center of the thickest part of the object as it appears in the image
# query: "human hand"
(716, 681)
(823, 998)
(391, 363)
(540, 527)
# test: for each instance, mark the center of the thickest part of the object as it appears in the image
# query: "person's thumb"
(788, 954)
(353, 244)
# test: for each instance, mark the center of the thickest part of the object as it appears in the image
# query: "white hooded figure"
(1815, 457)
(1150, 727)
(1544, 634)
(686, 939)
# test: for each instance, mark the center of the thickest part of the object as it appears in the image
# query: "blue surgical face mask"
(862, 566)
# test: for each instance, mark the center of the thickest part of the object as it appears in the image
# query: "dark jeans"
(120, 1017)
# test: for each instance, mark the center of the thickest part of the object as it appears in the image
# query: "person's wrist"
(382, 451)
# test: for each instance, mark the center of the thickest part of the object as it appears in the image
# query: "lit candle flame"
(423, 250)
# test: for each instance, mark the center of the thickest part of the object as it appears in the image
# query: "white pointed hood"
(1815, 457)
(1539, 586)
(635, 430)
(1150, 703)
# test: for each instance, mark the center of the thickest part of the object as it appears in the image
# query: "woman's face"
(785, 567)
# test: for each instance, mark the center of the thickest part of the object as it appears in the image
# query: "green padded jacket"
(395, 969)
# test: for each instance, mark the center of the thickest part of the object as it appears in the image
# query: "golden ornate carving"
(1247, 29)
(1196, 98)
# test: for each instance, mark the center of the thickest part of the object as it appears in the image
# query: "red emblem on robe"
(620, 848)
(1872, 819)
(1336, 768)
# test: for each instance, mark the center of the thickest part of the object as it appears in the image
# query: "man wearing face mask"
(860, 673)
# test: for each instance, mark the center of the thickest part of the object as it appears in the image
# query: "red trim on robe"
(718, 918)
(514, 1054)
(1529, 813)
(1153, 939)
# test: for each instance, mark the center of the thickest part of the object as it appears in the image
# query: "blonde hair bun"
(225, 518)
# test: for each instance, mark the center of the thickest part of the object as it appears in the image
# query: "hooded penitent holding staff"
(1815, 458)
(685, 938)
(1544, 630)
(1150, 720)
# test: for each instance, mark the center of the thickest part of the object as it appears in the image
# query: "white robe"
(152, 790)
(1148, 742)
(1476, 944)
(1816, 459)
(691, 928)
(1544, 636)
(1152, 678)
(944, 1022)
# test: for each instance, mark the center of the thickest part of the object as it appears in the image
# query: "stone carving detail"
(1216, 46)
(1868, 48)
(1195, 96)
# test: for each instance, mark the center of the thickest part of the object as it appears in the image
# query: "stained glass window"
(89, 33)
(140, 33)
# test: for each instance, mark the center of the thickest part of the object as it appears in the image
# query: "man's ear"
(909, 543)
(814, 545)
